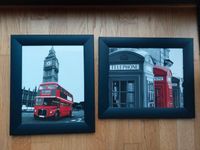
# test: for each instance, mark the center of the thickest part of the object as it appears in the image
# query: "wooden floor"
(135, 134)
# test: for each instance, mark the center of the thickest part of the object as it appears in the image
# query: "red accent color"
(163, 89)
(64, 107)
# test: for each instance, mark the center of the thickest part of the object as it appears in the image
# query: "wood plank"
(5, 139)
(168, 134)
(132, 146)
(151, 138)
(185, 131)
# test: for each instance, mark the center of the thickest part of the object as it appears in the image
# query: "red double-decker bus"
(52, 101)
(163, 87)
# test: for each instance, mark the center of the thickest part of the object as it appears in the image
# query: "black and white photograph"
(146, 78)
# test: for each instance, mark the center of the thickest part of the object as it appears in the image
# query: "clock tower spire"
(51, 67)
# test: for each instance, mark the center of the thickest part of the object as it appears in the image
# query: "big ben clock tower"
(51, 67)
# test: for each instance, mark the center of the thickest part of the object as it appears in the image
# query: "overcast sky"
(71, 71)
(176, 56)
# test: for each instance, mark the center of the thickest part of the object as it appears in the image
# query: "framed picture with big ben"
(49, 92)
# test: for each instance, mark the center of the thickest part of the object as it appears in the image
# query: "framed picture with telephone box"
(146, 77)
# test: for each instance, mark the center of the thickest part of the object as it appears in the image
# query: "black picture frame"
(16, 127)
(105, 112)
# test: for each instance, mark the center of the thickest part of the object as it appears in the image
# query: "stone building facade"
(28, 97)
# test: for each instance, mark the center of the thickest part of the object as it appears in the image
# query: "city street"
(77, 116)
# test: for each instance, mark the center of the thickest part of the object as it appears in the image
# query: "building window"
(48, 73)
(123, 94)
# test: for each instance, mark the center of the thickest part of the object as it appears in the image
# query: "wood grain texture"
(136, 134)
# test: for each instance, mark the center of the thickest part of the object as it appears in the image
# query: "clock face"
(48, 63)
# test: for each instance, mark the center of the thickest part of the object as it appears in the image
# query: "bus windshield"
(38, 101)
(46, 102)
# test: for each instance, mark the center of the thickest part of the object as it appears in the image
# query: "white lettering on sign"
(125, 67)
(158, 78)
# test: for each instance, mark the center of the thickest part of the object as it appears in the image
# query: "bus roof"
(47, 83)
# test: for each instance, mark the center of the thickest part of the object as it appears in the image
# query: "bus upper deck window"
(42, 87)
(52, 86)
(69, 98)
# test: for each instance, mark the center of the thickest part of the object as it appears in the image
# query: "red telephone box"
(163, 87)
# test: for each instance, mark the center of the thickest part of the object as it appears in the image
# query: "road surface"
(77, 116)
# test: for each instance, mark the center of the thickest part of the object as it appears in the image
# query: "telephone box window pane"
(115, 99)
(123, 94)
(123, 99)
(123, 85)
(130, 94)
(115, 86)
